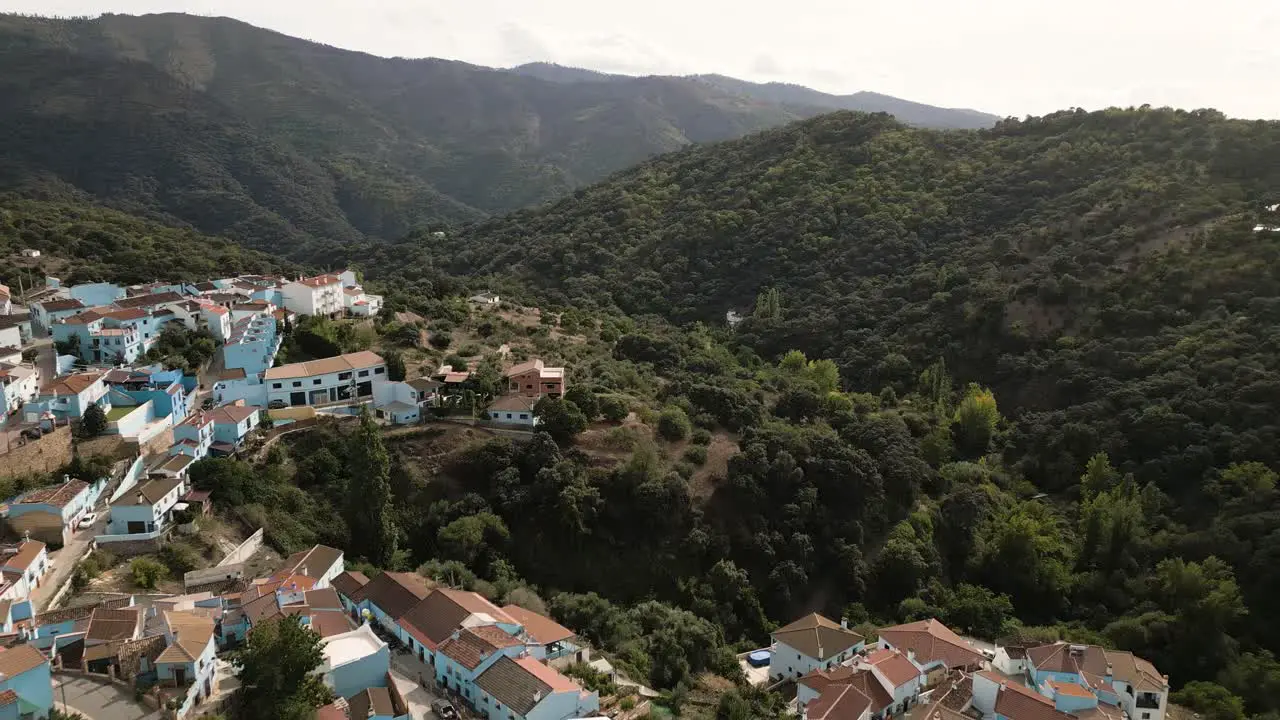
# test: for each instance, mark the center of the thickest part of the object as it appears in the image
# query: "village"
(396, 645)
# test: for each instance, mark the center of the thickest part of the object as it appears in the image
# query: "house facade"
(319, 295)
(69, 396)
(811, 643)
(148, 510)
(397, 402)
(512, 410)
(318, 382)
(935, 647)
(534, 379)
(19, 385)
(25, 566)
(50, 513)
(193, 436)
(47, 312)
(526, 689)
(233, 423)
(26, 683)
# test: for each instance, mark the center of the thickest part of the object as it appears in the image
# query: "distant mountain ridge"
(790, 95)
(303, 149)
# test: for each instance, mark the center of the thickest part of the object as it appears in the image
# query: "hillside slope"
(1055, 259)
(302, 148)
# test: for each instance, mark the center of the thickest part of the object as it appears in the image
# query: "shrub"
(700, 436)
(673, 423)
(613, 408)
(146, 572)
(696, 454)
(440, 340)
(685, 470)
(179, 558)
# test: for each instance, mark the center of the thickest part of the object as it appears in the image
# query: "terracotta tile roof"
(442, 612)
(111, 625)
(231, 414)
(342, 363)
(817, 637)
(7, 698)
(152, 300)
(149, 493)
(55, 495)
(1018, 702)
(396, 593)
(126, 314)
(80, 612)
(232, 374)
(838, 702)
(370, 702)
(423, 384)
(1136, 671)
(70, 384)
(330, 622)
(520, 685)
(349, 583)
(59, 305)
(471, 646)
(894, 666)
(27, 554)
(192, 633)
(524, 367)
(320, 281)
(1070, 689)
(323, 599)
(314, 562)
(542, 629)
(331, 712)
(932, 641)
(1092, 661)
(868, 685)
(17, 660)
(513, 403)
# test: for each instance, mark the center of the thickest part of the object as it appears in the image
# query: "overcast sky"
(1010, 57)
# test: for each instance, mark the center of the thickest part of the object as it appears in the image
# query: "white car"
(87, 520)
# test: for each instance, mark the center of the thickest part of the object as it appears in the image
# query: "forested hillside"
(300, 148)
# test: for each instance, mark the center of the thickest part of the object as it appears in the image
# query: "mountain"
(1094, 268)
(805, 102)
(304, 149)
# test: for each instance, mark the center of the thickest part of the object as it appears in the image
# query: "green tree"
(94, 422)
(277, 669)
(1210, 700)
(825, 374)
(370, 514)
(673, 423)
(585, 400)
(147, 572)
(768, 305)
(975, 421)
(1098, 476)
(794, 362)
(559, 418)
(395, 365)
(468, 538)
(614, 408)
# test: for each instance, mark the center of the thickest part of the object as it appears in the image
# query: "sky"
(1009, 57)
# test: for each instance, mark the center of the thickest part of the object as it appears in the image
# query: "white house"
(485, 298)
(901, 677)
(811, 643)
(359, 303)
(46, 312)
(19, 384)
(317, 382)
(217, 319)
(1010, 659)
(30, 252)
(396, 401)
(319, 295)
(69, 396)
(512, 410)
(24, 566)
(933, 646)
(321, 563)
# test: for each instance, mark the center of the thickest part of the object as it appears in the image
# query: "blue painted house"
(526, 689)
(67, 397)
(193, 436)
(166, 389)
(252, 344)
(92, 294)
(26, 685)
(468, 652)
(355, 661)
(231, 425)
(188, 663)
(50, 513)
(148, 510)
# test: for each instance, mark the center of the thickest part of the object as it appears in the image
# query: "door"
(180, 676)
(137, 527)
(297, 398)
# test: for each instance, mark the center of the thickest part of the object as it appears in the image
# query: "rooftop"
(341, 363)
(149, 493)
(27, 554)
(70, 384)
(350, 646)
(817, 636)
(55, 495)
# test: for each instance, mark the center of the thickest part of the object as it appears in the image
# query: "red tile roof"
(71, 384)
(542, 629)
(55, 495)
(932, 641)
(894, 666)
(1018, 702)
(27, 554)
(838, 702)
(472, 646)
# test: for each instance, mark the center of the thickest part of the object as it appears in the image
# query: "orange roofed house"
(318, 382)
(811, 643)
(933, 646)
(319, 295)
(534, 379)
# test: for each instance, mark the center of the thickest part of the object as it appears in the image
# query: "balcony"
(1147, 701)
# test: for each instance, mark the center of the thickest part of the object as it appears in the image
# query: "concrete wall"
(38, 456)
(245, 551)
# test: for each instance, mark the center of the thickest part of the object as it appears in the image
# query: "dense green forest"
(304, 149)
(82, 242)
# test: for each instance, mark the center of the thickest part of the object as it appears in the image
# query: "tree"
(468, 538)
(975, 421)
(30, 355)
(825, 374)
(277, 668)
(559, 418)
(146, 572)
(371, 515)
(1098, 476)
(673, 423)
(1210, 700)
(768, 305)
(395, 365)
(94, 422)
(582, 396)
(614, 408)
(793, 362)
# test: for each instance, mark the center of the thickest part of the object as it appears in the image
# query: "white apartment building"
(320, 295)
(318, 382)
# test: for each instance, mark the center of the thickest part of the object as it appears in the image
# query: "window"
(275, 386)
(344, 376)
(528, 387)
(297, 383)
(508, 416)
(316, 381)
(379, 371)
(364, 373)
(524, 416)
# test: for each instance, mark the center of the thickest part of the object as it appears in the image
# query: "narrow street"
(63, 563)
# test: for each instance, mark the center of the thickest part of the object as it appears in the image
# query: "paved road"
(99, 701)
(64, 562)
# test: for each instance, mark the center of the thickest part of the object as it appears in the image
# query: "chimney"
(844, 623)
(537, 697)
(141, 500)
(911, 655)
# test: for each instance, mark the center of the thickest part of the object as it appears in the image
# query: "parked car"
(87, 520)
(277, 405)
(444, 709)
